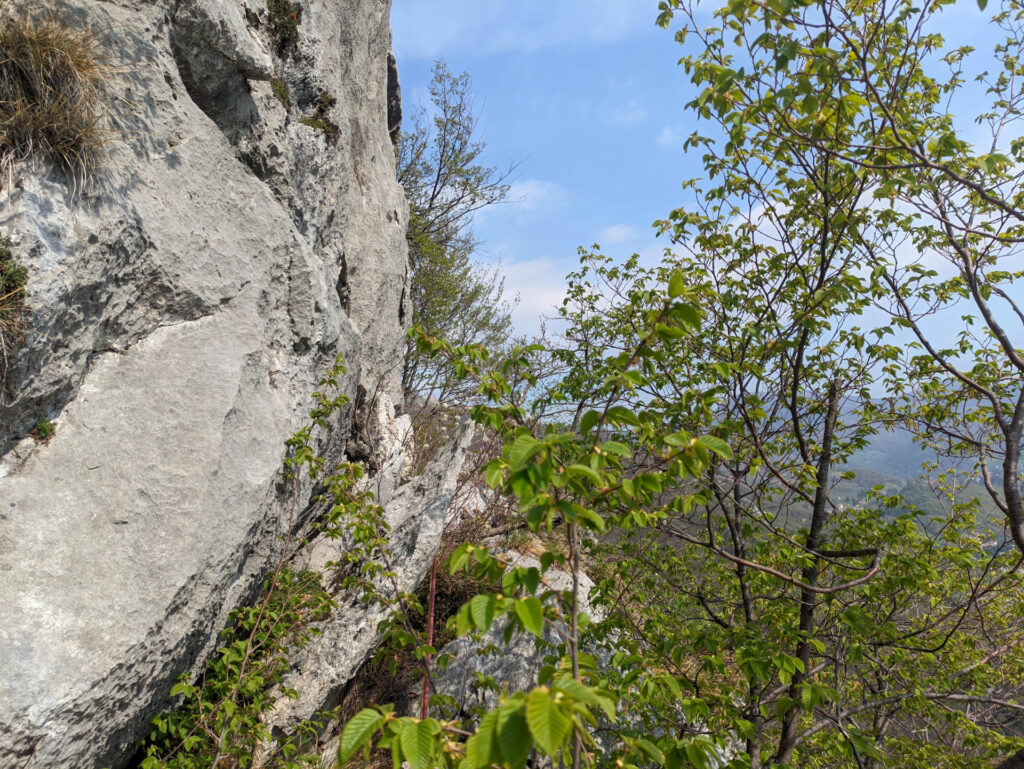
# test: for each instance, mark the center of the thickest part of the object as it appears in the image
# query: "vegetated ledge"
(13, 311)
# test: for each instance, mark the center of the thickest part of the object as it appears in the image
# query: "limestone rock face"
(183, 305)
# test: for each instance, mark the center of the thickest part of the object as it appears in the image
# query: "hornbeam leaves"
(513, 735)
(417, 740)
(481, 610)
(544, 719)
(531, 614)
(549, 723)
(359, 729)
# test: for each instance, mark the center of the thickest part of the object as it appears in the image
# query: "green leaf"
(531, 614)
(573, 688)
(982, 4)
(621, 415)
(698, 756)
(689, 315)
(594, 521)
(669, 332)
(531, 579)
(586, 472)
(614, 447)
(522, 450)
(650, 750)
(676, 284)
(717, 445)
(513, 736)
(548, 723)
(417, 740)
(745, 727)
(463, 620)
(589, 421)
(482, 748)
(481, 609)
(357, 731)
(459, 559)
(494, 473)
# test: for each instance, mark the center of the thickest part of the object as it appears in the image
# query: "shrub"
(50, 95)
(284, 21)
(13, 277)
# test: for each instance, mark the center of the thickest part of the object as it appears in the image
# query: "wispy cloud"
(670, 138)
(540, 287)
(628, 112)
(537, 194)
(617, 233)
(426, 29)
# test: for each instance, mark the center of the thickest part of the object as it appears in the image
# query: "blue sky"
(588, 98)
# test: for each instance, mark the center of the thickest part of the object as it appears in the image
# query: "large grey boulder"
(183, 305)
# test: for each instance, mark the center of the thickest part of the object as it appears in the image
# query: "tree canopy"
(846, 264)
(453, 296)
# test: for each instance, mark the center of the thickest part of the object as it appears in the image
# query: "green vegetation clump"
(280, 89)
(44, 429)
(13, 279)
(221, 714)
(219, 719)
(284, 21)
(50, 95)
(321, 117)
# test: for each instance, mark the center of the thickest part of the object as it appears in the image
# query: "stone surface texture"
(416, 513)
(513, 666)
(183, 303)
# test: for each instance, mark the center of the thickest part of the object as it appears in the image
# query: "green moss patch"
(13, 311)
(320, 119)
(280, 89)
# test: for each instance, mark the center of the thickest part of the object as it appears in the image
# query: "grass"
(320, 119)
(44, 430)
(51, 104)
(280, 89)
(13, 278)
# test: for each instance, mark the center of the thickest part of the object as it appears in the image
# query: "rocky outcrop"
(416, 513)
(183, 305)
(513, 665)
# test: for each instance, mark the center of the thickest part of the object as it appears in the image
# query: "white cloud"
(540, 287)
(629, 112)
(537, 194)
(426, 29)
(670, 138)
(617, 233)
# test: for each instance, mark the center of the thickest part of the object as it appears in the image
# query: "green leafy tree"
(874, 88)
(753, 619)
(453, 296)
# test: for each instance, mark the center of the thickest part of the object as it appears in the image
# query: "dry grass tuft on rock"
(51, 79)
